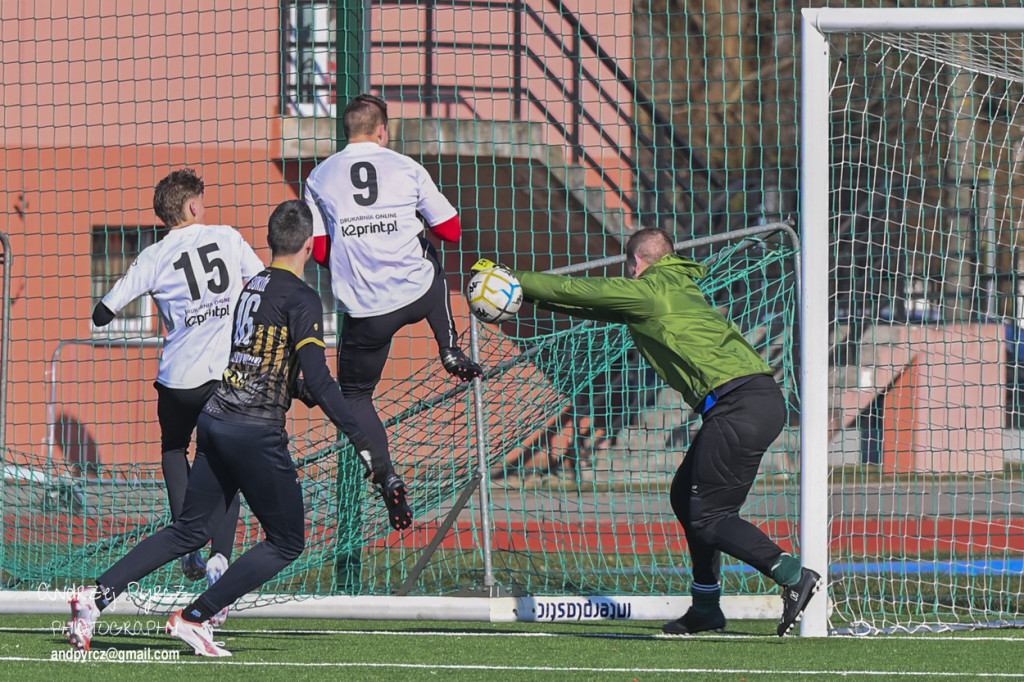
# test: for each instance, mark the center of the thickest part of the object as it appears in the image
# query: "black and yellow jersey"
(276, 315)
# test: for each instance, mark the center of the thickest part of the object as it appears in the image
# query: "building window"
(114, 249)
(309, 52)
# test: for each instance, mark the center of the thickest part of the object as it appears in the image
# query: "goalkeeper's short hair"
(651, 243)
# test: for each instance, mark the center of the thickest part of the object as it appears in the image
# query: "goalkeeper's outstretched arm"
(604, 299)
(595, 314)
(612, 294)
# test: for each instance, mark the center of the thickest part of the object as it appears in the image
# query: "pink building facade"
(100, 100)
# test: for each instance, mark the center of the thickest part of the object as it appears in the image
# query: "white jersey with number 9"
(365, 198)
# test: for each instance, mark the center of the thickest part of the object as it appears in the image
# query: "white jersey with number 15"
(194, 274)
(365, 199)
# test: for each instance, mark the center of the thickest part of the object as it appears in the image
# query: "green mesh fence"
(605, 528)
(557, 128)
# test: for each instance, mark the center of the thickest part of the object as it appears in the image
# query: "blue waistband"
(717, 393)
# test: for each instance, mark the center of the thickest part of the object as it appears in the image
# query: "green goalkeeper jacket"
(692, 346)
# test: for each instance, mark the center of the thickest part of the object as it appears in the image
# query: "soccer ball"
(494, 295)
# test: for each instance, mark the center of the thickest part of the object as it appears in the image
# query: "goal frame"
(816, 25)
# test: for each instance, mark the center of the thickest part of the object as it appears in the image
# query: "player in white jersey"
(194, 273)
(384, 273)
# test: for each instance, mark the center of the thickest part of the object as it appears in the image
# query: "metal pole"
(912, 19)
(985, 243)
(481, 460)
(767, 230)
(349, 59)
(517, 60)
(814, 220)
(428, 92)
(442, 531)
(5, 329)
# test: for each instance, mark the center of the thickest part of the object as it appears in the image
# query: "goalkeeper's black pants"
(177, 410)
(717, 472)
(366, 343)
(250, 458)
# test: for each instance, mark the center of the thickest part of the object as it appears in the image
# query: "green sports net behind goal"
(581, 440)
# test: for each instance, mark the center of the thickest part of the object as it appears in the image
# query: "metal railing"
(654, 197)
(53, 378)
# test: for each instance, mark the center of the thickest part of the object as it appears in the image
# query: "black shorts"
(177, 410)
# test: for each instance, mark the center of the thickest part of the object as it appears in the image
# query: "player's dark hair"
(173, 192)
(290, 225)
(651, 244)
(364, 115)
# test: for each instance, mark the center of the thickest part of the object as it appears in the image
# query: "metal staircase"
(600, 136)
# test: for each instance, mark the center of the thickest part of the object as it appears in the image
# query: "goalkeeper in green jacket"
(705, 357)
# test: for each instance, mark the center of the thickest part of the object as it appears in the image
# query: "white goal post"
(819, 27)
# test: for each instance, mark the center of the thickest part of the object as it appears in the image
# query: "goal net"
(913, 145)
(581, 443)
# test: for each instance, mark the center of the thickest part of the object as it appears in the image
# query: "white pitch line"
(540, 668)
(420, 633)
(595, 635)
(618, 635)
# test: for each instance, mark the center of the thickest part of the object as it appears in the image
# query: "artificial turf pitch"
(282, 649)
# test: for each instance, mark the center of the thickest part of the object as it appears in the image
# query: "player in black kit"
(243, 445)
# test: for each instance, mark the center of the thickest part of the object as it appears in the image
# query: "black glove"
(102, 315)
(458, 365)
(300, 392)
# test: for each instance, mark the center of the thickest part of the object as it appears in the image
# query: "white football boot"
(84, 614)
(196, 635)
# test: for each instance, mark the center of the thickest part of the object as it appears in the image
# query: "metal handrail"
(569, 46)
(53, 378)
(641, 98)
(563, 128)
(645, 103)
(5, 347)
(7, 258)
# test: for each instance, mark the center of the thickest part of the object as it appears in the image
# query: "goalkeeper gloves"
(484, 264)
(458, 365)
